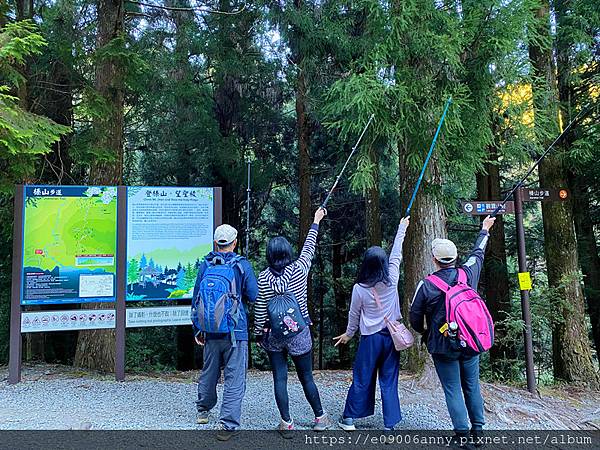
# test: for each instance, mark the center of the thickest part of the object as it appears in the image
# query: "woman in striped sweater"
(286, 275)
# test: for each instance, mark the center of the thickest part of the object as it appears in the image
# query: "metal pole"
(120, 309)
(321, 313)
(529, 367)
(16, 342)
(246, 252)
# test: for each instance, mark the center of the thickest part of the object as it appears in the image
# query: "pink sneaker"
(286, 429)
(321, 423)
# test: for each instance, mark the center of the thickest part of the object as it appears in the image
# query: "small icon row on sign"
(64, 319)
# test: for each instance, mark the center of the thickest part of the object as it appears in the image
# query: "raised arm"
(308, 250)
(396, 254)
(475, 262)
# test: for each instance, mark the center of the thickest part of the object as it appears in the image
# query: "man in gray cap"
(228, 348)
(457, 370)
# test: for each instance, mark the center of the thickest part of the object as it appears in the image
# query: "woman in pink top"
(376, 355)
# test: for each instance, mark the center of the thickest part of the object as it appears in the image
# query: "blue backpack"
(216, 307)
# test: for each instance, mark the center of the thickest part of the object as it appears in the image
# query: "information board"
(69, 244)
(169, 231)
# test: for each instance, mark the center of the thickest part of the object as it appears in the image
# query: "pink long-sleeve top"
(364, 312)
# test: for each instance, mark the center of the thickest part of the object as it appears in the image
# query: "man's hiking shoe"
(347, 424)
(458, 441)
(477, 438)
(286, 429)
(322, 423)
(224, 434)
(202, 418)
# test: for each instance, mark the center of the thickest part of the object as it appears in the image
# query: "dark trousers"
(459, 376)
(303, 364)
(220, 353)
(376, 356)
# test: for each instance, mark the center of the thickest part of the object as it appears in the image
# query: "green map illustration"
(69, 244)
(58, 229)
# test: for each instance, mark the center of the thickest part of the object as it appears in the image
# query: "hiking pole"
(246, 252)
(437, 132)
(581, 115)
(324, 204)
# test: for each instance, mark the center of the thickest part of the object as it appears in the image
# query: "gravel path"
(59, 398)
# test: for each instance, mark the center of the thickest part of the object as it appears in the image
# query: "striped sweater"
(294, 279)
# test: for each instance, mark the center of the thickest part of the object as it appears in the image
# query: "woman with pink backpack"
(375, 306)
(459, 328)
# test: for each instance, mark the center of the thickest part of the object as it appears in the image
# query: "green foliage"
(18, 41)
(23, 135)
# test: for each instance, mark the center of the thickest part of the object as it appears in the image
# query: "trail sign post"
(493, 207)
(519, 196)
(525, 309)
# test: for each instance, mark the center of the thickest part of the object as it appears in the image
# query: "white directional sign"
(158, 317)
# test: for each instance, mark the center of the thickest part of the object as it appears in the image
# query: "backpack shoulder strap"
(438, 282)
(378, 301)
(462, 275)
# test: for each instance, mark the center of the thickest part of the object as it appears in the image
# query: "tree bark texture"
(427, 222)
(96, 348)
(494, 278)
(572, 358)
(372, 210)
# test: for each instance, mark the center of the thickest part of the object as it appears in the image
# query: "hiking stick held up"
(437, 132)
(579, 116)
(324, 204)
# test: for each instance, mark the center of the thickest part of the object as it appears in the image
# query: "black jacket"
(429, 302)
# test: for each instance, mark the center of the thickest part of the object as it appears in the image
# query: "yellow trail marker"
(524, 281)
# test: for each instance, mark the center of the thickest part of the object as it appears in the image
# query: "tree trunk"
(428, 221)
(372, 211)
(341, 297)
(495, 272)
(584, 228)
(572, 358)
(228, 88)
(303, 128)
(588, 252)
(96, 348)
(182, 74)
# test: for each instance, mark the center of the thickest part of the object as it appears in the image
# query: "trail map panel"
(169, 231)
(69, 244)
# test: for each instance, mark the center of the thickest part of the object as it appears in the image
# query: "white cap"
(225, 234)
(444, 250)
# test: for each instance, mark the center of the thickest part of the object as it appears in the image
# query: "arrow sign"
(544, 195)
(486, 207)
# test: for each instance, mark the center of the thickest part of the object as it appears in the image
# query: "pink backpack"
(465, 307)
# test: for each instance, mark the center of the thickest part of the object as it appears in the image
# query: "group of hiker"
(446, 309)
